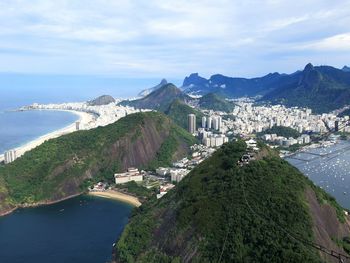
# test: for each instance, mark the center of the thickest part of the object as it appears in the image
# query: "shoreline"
(83, 118)
(111, 194)
(38, 204)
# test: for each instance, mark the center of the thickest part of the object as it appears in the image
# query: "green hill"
(212, 101)
(170, 100)
(266, 211)
(281, 131)
(178, 112)
(160, 99)
(62, 167)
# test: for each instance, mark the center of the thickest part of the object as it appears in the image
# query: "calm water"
(81, 229)
(331, 171)
(17, 128)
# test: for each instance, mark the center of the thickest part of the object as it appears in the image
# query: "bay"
(330, 170)
(80, 229)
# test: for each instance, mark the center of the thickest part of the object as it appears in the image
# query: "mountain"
(346, 69)
(102, 100)
(178, 112)
(65, 166)
(322, 89)
(145, 92)
(212, 101)
(232, 87)
(265, 211)
(159, 99)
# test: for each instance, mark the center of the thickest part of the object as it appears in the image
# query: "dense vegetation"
(281, 131)
(212, 101)
(64, 166)
(142, 193)
(225, 213)
(169, 100)
(165, 154)
(178, 112)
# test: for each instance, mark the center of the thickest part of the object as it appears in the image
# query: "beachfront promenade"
(84, 119)
(89, 117)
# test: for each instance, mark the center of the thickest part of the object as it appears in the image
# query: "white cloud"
(163, 37)
(339, 43)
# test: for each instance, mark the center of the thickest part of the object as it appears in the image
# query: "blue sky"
(160, 38)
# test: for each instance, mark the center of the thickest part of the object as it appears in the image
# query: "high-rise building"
(10, 156)
(204, 121)
(191, 120)
(209, 123)
(219, 123)
(77, 125)
(215, 123)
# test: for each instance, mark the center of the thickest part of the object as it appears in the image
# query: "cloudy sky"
(155, 38)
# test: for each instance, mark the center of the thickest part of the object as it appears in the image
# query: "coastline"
(84, 118)
(111, 194)
(42, 203)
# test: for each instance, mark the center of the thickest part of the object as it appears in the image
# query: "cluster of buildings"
(210, 132)
(103, 114)
(166, 177)
(211, 139)
(248, 119)
(212, 123)
(286, 142)
(100, 186)
(176, 174)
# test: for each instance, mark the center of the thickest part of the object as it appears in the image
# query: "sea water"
(79, 230)
(330, 170)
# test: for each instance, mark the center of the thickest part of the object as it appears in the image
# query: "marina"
(328, 167)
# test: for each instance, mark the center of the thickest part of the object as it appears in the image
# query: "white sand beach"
(117, 196)
(84, 119)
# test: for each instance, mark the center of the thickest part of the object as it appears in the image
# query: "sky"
(161, 38)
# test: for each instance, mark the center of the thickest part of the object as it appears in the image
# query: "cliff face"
(61, 167)
(222, 212)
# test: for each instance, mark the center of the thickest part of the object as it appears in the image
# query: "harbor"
(328, 167)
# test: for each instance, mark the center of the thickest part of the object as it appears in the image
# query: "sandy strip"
(117, 196)
(84, 118)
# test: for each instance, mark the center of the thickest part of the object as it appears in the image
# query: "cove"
(81, 229)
